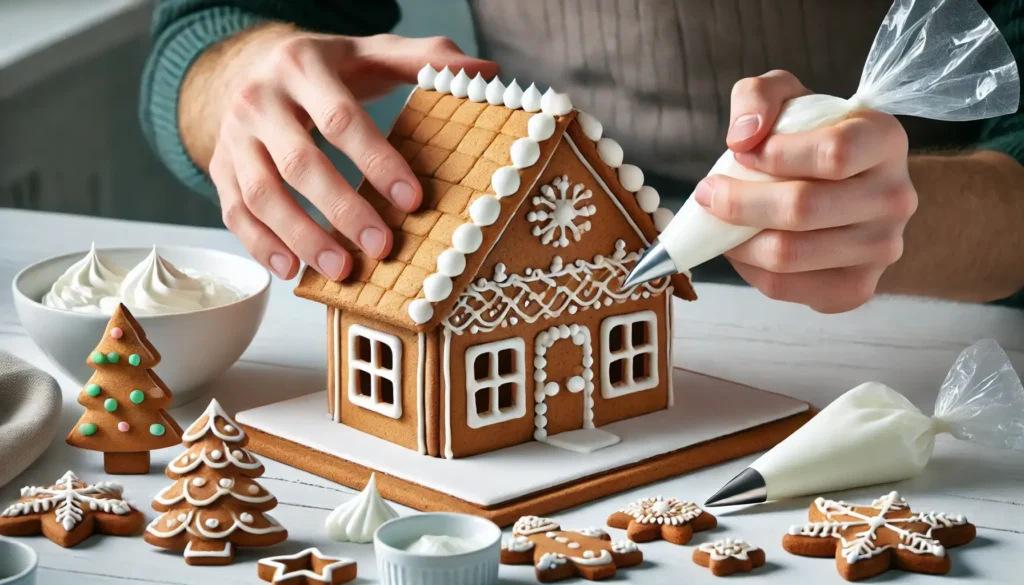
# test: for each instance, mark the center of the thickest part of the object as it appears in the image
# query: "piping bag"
(937, 59)
(873, 434)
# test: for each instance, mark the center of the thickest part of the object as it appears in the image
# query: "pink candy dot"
(123, 427)
(116, 333)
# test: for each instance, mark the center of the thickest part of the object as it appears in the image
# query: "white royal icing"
(592, 532)
(610, 152)
(477, 91)
(282, 573)
(528, 525)
(505, 181)
(460, 84)
(662, 217)
(451, 262)
(518, 544)
(658, 510)
(67, 498)
(425, 78)
(580, 336)
(467, 238)
(437, 287)
(550, 561)
(648, 199)
(420, 311)
(555, 104)
(525, 152)
(513, 96)
(495, 92)
(442, 545)
(631, 177)
(443, 80)
(540, 127)
(623, 547)
(484, 211)
(531, 99)
(214, 411)
(560, 214)
(590, 125)
(357, 519)
(727, 548)
(592, 559)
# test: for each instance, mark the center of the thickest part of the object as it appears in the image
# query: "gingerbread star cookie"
(669, 519)
(868, 540)
(308, 567)
(69, 511)
(556, 554)
(727, 556)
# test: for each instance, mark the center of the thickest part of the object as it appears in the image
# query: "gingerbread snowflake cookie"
(669, 519)
(69, 511)
(727, 556)
(556, 554)
(868, 540)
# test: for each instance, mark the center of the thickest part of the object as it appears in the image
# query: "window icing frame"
(494, 381)
(375, 371)
(628, 352)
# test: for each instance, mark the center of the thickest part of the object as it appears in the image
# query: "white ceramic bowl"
(396, 566)
(17, 563)
(195, 347)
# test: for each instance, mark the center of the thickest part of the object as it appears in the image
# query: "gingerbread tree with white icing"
(214, 504)
(126, 402)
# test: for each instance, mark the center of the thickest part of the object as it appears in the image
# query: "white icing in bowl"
(441, 545)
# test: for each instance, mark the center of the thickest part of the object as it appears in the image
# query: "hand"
(834, 222)
(275, 88)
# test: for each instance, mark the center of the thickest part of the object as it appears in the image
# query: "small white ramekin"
(396, 566)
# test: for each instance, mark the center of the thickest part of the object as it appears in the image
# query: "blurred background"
(69, 82)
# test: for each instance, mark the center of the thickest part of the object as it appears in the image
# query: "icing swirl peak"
(357, 519)
(85, 283)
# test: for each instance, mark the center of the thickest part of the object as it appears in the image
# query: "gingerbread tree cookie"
(214, 503)
(669, 519)
(727, 556)
(557, 554)
(869, 540)
(125, 400)
(69, 511)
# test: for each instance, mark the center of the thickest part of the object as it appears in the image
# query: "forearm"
(966, 241)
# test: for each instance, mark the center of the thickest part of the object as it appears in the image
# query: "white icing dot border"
(545, 339)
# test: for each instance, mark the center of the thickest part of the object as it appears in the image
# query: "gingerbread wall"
(519, 250)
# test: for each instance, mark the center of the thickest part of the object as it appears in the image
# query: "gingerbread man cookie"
(308, 567)
(727, 556)
(670, 519)
(869, 540)
(556, 554)
(69, 511)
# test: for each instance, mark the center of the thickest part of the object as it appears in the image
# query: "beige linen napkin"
(30, 402)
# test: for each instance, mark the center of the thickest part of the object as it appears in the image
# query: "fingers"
(344, 123)
(403, 58)
(834, 152)
(792, 252)
(756, 103)
(261, 243)
(809, 205)
(826, 291)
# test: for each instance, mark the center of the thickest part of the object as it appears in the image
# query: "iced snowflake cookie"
(669, 519)
(869, 540)
(69, 511)
(727, 556)
(588, 553)
(305, 567)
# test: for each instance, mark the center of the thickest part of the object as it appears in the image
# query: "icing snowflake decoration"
(561, 214)
(658, 510)
(67, 497)
(728, 547)
(862, 543)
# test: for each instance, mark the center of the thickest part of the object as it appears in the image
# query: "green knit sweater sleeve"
(183, 29)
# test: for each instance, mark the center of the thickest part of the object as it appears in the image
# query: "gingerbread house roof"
(477, 148)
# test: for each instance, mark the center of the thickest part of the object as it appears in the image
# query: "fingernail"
(280, 265)
(703, 193)
(744, 127)
(372, 240)
(404, 195)
(331, 264)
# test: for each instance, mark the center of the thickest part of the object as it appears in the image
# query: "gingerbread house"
(499, 317)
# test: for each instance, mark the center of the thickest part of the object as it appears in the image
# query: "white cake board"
(705, 408)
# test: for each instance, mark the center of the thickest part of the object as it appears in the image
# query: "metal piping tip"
(746, 488)
(654, 264)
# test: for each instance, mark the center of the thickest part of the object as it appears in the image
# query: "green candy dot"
(137, 396)
(98, 358)
(113, 357)
(92, 390)
(110, 404)
(156, 429)
(134, 359)
(88, 429)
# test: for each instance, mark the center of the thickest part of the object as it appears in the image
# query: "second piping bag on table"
(936, 59)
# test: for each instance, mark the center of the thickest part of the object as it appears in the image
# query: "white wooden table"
(731, 332)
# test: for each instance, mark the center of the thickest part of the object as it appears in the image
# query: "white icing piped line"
(541, 127)
(484, 211)
(648, 199)
(525, 152)
(467, 238)
(590, 125)
(425, 78)
(495, 91)
(555, 104)
(420, 311)
(451, 262)
(513, 96)
(662, 217)
(505, 181)
(443, 80)
(610, 152)
(460, 84)
(213, 410)
(631, 177)
(531, 99)
(477, 91)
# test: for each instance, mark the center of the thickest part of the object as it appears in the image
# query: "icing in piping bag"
(873, 434)
(936, 59)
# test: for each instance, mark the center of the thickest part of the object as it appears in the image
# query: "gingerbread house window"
(629, 354)
(375, 371)
(495, 382)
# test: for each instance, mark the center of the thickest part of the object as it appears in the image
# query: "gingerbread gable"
(478, 149)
